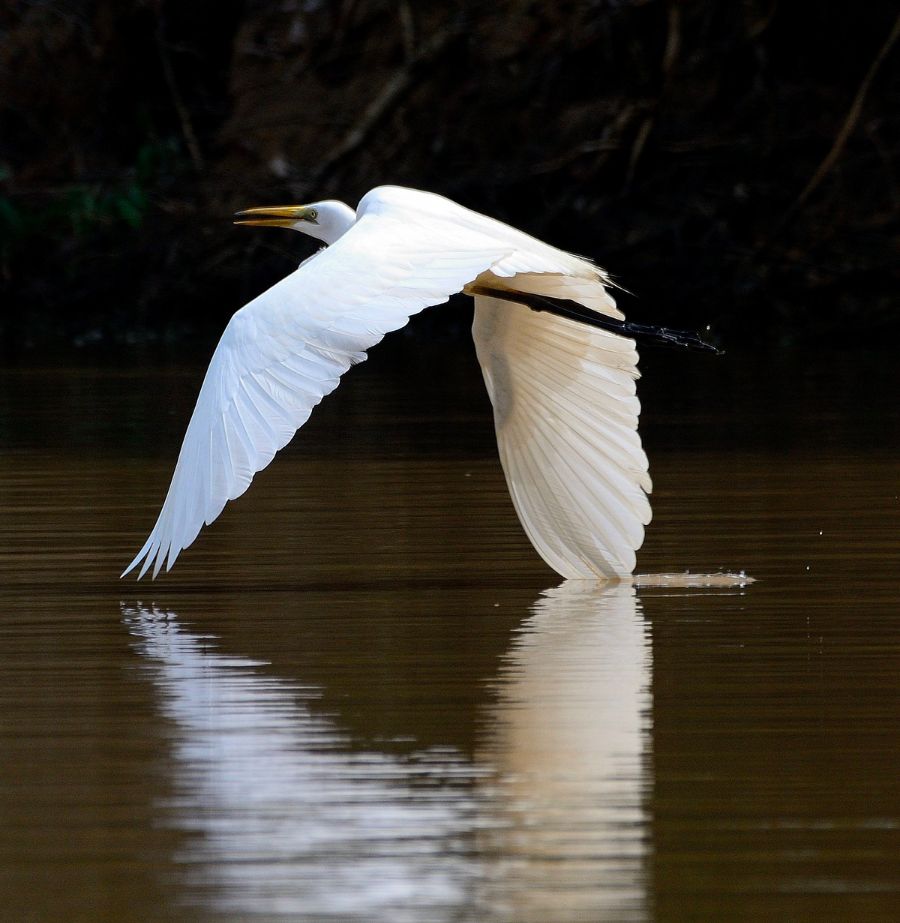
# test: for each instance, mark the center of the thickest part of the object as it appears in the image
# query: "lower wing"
(566, 417)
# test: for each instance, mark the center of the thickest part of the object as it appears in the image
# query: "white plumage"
(563, 393)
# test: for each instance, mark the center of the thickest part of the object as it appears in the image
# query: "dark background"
(731, 163)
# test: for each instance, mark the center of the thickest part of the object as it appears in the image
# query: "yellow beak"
(275, 216)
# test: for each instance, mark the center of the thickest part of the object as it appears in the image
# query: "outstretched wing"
(566, 417)
(285, 350)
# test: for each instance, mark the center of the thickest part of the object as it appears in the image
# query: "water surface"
(361, 696)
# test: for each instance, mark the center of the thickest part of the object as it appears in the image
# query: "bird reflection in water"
(571, 750)
(285, 816)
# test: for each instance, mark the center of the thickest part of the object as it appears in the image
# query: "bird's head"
(326, 221)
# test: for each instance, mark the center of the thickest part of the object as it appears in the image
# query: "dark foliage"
(732, 163)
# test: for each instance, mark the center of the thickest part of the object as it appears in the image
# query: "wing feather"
(287, 349)
(566, 414)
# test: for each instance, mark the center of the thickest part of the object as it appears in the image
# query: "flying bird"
(559, 362)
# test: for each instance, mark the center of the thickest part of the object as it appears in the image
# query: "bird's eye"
(312, 214)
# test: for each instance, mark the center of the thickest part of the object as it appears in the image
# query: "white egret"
(561, 376)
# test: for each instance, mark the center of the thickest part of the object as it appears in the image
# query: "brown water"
(362, 697)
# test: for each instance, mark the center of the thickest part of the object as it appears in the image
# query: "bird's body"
(563, 393)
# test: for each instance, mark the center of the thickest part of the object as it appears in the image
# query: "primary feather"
(563, 395)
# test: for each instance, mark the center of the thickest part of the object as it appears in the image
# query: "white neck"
(333, 220)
